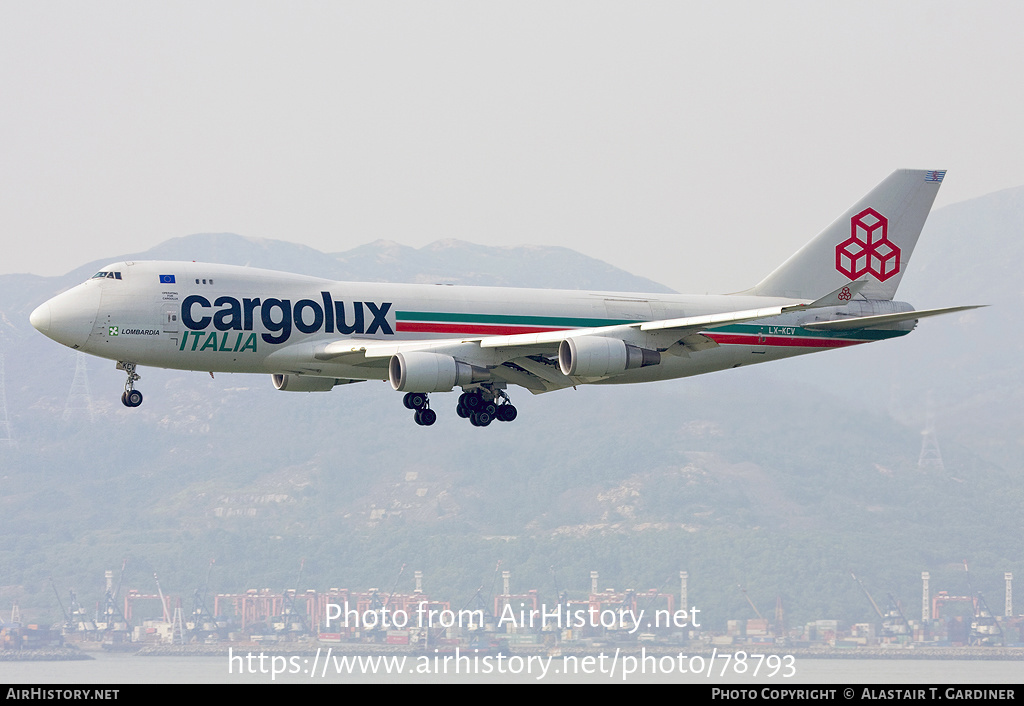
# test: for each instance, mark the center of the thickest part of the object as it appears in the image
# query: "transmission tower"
(79, 400)
(6, 435)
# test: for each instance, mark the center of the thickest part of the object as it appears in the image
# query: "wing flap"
(546, 342)
(491, 351)
(518, 375)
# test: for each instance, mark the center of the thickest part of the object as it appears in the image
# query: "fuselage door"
(171, 325)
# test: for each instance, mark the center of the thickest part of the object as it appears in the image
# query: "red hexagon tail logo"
(868, 249)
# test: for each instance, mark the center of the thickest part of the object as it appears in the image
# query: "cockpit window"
(106, 275)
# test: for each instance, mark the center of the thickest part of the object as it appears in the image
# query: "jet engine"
(420, 371)
(594, 356)
(305, 383)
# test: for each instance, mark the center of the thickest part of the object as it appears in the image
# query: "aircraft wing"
(672, 330)
(525, 359)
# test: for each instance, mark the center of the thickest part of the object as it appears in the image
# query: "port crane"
(894, 624)
(203, 623)
(756, 611)
(985, 629)
(771, 630)
(111, 611)
(288, 608)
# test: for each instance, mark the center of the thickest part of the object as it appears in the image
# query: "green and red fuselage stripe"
(735, 334)
(794, 336)
(492, 324)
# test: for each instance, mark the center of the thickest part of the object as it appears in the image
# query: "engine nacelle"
(304, 383)
(594, 356)
(420, 371)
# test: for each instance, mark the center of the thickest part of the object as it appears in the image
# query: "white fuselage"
(222, 318)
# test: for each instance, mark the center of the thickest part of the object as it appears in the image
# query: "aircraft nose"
(40, 318)
(69, 317)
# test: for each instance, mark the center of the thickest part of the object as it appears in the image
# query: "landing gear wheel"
(415, 400)
(131, 397)
(418, 401)
(483, 405)
(480, 419)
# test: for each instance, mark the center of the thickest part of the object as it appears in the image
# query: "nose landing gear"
(131, 397)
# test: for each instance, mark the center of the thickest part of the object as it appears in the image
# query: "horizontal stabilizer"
(883, 319)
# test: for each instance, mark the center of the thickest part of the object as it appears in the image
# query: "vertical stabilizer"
(872, 241)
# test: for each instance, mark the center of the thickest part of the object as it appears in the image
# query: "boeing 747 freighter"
(313, 334)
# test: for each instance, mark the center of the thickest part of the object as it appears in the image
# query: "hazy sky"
(696, 143)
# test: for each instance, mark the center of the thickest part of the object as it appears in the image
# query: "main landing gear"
(480, 406)
(424, 416)
(131, 397)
